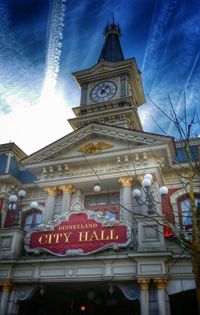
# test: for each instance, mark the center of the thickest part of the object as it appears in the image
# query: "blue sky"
(43, 41)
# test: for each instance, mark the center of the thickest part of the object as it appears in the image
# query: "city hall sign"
(78, 232)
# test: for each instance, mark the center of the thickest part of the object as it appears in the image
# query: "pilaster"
(125, 211)
(161, 285)
(50, 204)
(84, 94)
(6, 288)
(67, 190)
(13, 305)
(144, 295)
(123, 85)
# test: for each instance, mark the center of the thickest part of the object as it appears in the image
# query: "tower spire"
(112, 50)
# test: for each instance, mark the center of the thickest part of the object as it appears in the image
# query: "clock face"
(103, 91)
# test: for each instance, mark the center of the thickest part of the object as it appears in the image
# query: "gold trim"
(144, 283)
(95, 147)
(67, 189)
(126, 181)
(6, 286)
(51, 190)
(160, 282)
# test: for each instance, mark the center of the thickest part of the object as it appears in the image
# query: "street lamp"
(149, 198)
(15, 204)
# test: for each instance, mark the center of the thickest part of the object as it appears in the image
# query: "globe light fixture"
(97, 188)
(34, 205)
(21, 193)
(15, 204)
(148, 176)
(163, 190)
(149, 199)
(137, 193)
(13, 199)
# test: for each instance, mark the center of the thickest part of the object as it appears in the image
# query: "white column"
(77, 196)
(126, 202)
(13, 305)
(6, 288)
(8, 162)
(144, 295)
(50, 204)
(84, 94)
(161, 284)
(67, 190)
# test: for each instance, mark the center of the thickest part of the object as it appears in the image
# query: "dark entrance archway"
(87, 299)
(184, 303)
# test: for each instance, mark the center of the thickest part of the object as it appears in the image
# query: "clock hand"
(102, 90)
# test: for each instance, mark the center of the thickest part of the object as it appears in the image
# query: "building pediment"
(98, 139)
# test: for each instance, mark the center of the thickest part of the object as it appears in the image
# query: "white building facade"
(90, 175)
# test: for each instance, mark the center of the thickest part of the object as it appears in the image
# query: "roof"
(112, 50)
(11, 147)
(181, 155)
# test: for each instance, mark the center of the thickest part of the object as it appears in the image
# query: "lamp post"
(149, 199)
(15, 205)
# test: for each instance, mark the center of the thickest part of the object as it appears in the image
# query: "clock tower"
(111, 90)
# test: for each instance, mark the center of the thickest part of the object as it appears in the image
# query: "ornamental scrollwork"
(144, 283)
(160, 282)
(68, 189)
(51, 190)
(126, 181)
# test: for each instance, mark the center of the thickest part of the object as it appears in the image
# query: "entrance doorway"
(79, 300)
(184, 303)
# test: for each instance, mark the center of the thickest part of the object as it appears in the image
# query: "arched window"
(31, 219)
(181, 206)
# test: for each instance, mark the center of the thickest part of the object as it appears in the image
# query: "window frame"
(110, 206)
(34, 213)
(27, 211)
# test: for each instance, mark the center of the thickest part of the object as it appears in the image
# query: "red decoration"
(78, 235)
(168, 232)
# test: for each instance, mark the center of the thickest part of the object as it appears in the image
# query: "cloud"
(20, 80)
(32, 128)
(4, 107)
(156, 36)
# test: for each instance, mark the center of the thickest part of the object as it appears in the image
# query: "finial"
(113, 18)
(112, 27)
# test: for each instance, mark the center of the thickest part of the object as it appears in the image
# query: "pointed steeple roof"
(112, 50)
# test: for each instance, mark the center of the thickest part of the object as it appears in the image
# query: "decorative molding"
(160, 282)
(51, 190)
(117, 132)
(67, 189)
(126, 181)
(143, 283)
(95, 147)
